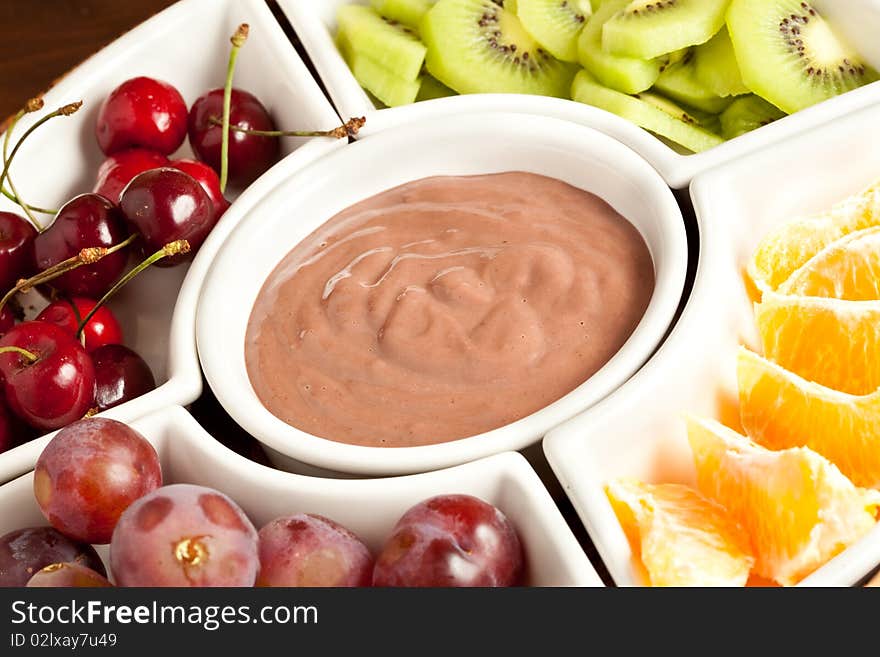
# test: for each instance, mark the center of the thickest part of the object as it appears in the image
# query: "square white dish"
(467, 145)
(639, 431)
(61, 160)
(315, 24)
(369, 508)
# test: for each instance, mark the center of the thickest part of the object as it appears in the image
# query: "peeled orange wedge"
(792, 244)
(780, 410)
(798, 509)
(828, 341)
(682, 538)
(847, 269)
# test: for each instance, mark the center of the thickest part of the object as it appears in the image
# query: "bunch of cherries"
(99, 481)
(69, 361)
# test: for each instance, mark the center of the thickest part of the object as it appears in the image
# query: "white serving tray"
(639, 431)
(61, 160)
(370, 508)
(315, 24)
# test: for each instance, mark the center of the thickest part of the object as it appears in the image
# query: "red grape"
(67, 575)
(211, 541)
(451, 540)
(25, 551)
(309, 550)
(90, 473)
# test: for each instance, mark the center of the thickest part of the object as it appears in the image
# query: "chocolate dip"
(444, 308)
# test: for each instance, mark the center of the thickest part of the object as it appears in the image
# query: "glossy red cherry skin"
(88, 220)
(7, 319)
(165, 205)
(118, 169)
(16, 250)
(56, 389)
(103, 328)
(208, 179)
(120, 376)
(249, 155)
(142, 113)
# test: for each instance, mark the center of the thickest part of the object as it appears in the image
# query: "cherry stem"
(33, 105)
(171, 249)
(348, 129)
(88, 256)
(32, 357)
(66, 110)
(237, 40)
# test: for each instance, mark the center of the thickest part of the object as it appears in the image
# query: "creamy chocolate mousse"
(444, 308)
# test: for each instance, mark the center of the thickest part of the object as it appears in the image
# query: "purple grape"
(67, 576)
(184, 535)
(309, 550)
(25, 551)
(451, 540)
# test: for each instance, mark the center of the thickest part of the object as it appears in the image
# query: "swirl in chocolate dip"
(446, 307)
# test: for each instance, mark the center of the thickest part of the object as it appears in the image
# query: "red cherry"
(86, 221)
(165, 205)
(142, 112)
(7, 319)
(16, 250)
(249, 155)
(118, 169)
(10, 427)
(102, 329)
(208, 179)
(120, 375)
(55, 389)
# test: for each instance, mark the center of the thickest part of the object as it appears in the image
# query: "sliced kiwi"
(624, 74)
(789, 55)
(555, 24)
(406, 12)
(716, 68)
(647, 110)
(384, 86)
(476, 46)
(679, 82)
(747, 113)
(432, 88)
(388, 43)
(650, 28)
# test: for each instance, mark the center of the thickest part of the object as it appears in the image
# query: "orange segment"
(847, 269)
(793, 243)
(828, 341)
(780, 410)
(797, 508)
(682, 538)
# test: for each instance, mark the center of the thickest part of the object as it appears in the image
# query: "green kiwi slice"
(555, 24)
(407, 12)
(789, 55)
(647, 110)
(746, 114)
(383, 85)
(716, 68)
(388, 43)
(650, 28)
(679, 82)
(625, 74)
(476, 46)
(432, 88)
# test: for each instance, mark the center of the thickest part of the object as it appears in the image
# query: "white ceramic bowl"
(472, 144)
(369, 508)
(639, 431)
(315, 24)
(187, 45)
